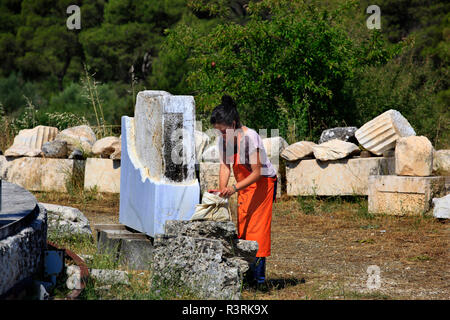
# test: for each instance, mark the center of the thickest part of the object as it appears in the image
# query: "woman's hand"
(226, 192)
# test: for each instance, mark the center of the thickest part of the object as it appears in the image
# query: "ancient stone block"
(441, 162)
(102, 174)
(334, 150)
(41, 174)
(105, 147)
(274, 146)
(55, 149)
(413, 156)
(441, 207)
(381, 133)
(341, 133)
(165, 142)
(29, 141)
(133, 249)
(137, 254)
(298, 150)
(401, 195)
(79, 137)
(110, 276)
(204, 256)
(145, 203)
(66, 220)
(332, 178)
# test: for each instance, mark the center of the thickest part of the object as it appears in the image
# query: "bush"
(13, 93)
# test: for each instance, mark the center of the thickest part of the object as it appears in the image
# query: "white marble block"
(381, 133)
(155, 187)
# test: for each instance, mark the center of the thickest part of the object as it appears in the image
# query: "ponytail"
(226, 112)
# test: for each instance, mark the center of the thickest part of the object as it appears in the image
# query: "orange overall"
(254, 207)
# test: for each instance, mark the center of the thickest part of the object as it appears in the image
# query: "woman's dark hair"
(226, 112)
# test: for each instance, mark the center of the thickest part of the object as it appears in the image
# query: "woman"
(242, 148)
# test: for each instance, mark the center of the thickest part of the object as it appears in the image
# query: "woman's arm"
(224, 175)
(254, 176)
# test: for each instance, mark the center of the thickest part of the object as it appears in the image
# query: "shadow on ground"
(278, 284)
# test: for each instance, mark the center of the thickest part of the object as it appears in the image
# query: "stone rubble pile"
(108, 147)
(71, 143)
(205, 256)
(383, 159)
(29, 141)
(67, 220)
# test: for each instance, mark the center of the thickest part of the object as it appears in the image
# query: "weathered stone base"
(398, 195)
(131, 248)
(102, 174)
(21, 255)
(205, 256)
(41, 174)
(333, 178)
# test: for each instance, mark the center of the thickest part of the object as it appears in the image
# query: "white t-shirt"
(250, 141)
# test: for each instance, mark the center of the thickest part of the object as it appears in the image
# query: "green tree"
(10, 20)
(286, 67)
(129, 36)
(46, 45)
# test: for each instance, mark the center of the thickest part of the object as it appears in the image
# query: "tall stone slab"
(401, 195)
(160, 118)
(381, 133)
(337, 177)
(157, 178)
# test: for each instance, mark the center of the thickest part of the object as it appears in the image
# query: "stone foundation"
(41, 174)
(103, 174)
(398, 195)
(205, 256)
(21, 255)
(333, 178)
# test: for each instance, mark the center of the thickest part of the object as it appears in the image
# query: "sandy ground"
(322, 249)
